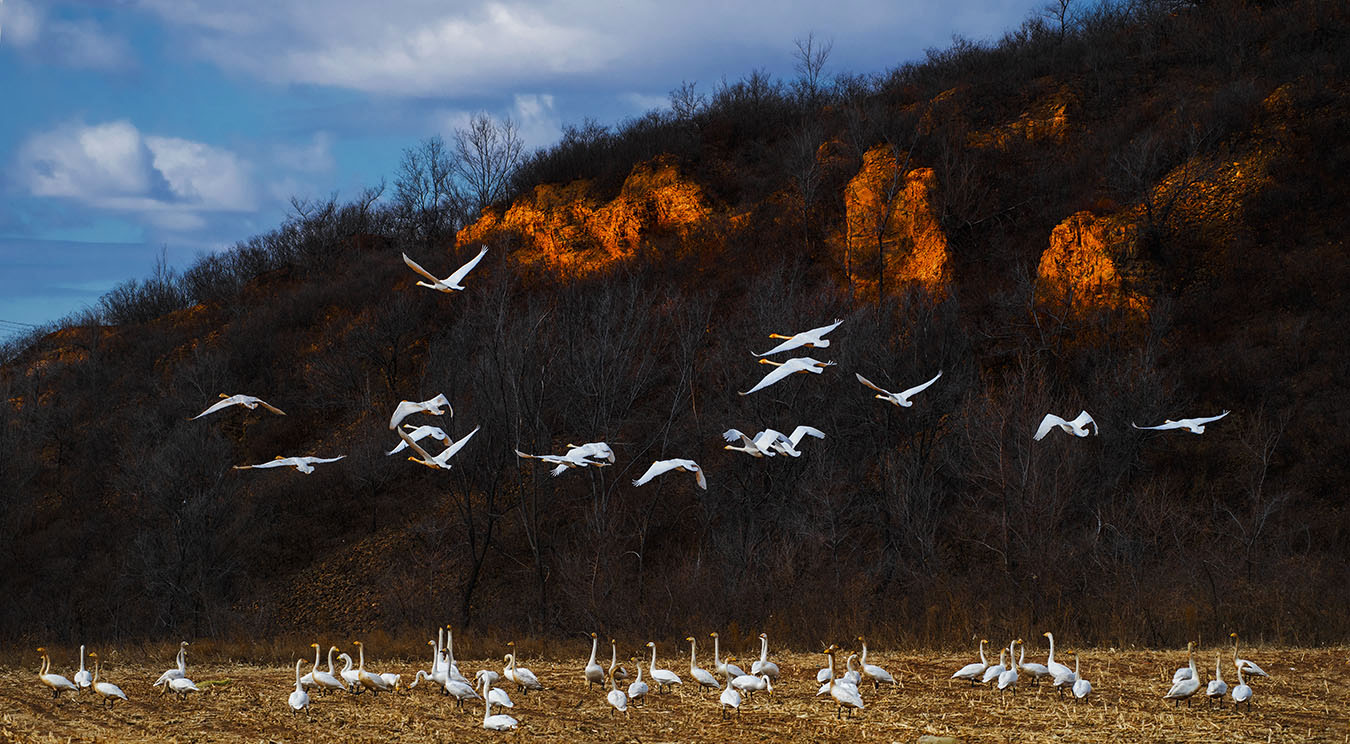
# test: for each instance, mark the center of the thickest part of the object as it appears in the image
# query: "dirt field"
(1305, 700)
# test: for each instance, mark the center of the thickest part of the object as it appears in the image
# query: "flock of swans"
(765, 443)
(733, 684)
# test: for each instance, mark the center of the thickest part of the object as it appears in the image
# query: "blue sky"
(131, 128)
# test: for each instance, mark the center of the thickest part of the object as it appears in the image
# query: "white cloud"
(536, 120)
(478, 47)
(70, 43)
(314, 156)
(167, 181)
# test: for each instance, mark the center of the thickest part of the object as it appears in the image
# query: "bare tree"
(1063, 13)
(811, 56)
(425, 195)
(488, 153)
(686, 101)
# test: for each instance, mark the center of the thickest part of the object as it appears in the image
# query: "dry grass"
(1306, 700)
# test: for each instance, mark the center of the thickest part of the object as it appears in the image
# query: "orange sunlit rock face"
(1046, 121)
(891, 212)
(1079, 269)
(572, 233)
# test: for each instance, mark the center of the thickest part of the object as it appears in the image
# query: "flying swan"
(902, 398)
(1193, 425)
(815, 338)
(451, 283)
(303, 464)
(1077, 427)
(662, 466)
(784, 369)
(247, 401)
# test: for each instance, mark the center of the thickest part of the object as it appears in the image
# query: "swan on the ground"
(54, 682)
(451, 283)
(1060, 675)
(749, 684)
(902, 398)
(815, 338)
(638, 688)
(178, 671)
(788, 368)
(594, 673)
(181, 686)
(83, 679)
(1217, 688)
(110, 692)
(872, 671)
(730, 697)
(1184, 689)
(664, 677)
(703, 676)
(1007, 679)
(417, 434)
(974, 671)
(1193, 425)
(299, 699)
(1078, 427)
(615, 671)
(1081, 687)
(718, 664)
(1242, 693)
(307, 681)
(762, 665)
(663, 466)
(499, 722)
(442, 461)
(1244, 665)
(438, 672)
(524, 678)
(327, 679)
(350, 676)
(844, 695)
(247, 401)
(991, 674)
(618, 700)
(369, 680)
(1035, 670)
(303, 464)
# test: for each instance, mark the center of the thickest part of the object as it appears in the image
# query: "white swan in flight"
(417, 434)
(596, 454)
(436, 407)
(902, 398)
(815, 338)
(442, 461)
(247, 401)
(784, 369)
(303, 464)
(662, 466)
(451, 283)
(1077, 427)
(760, 446)
(1193, 425)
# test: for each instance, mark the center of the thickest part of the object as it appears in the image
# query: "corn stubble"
(248, 703)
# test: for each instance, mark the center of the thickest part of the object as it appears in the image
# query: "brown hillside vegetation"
(1139, 215)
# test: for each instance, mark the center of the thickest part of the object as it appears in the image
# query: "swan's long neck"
(362, 666)
(863, 659)
(1191, 656)
(764, 650)
(1075, 665)
(613, 657)
(1051, 658)
(46, 665)
(487, 711)
(450, 645)
(81, 657)
(1023, 658)
(983, 660)
(440, 646)
(693, 657)
(638, 664)
(1240, 680)
(1218, 673)
(330, 660)
(717, 651)
(297, 675)
(348, 661)
(1235, 648)
(595, 646)
(316, 657)
(653, 666)
(95, 682)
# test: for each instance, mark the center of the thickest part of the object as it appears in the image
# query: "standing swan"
(595, 674)
(1244, 665)
(178, 672)
(1007, 679)
(327, 680)
(617, 699)
(972, 671)
(842, 694)
(350, 677)
(498, 722)
(373, 682)
(664, 677)
(1081, 687)
(1060, 674)
(1242, 693)
(717, 659)
(702, 676)
(55, 682)
(110, 692)
(638, 688)
(524, 678)
(615, 670)
(763, 665)
(872, 671)
(991, 674)
(299, 699)
(307, 681)
(730, 697)
(83, 679)
(1184, 689)
(1217, 687)
(1035, 670)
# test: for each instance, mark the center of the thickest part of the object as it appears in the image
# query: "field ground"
(1305, 700)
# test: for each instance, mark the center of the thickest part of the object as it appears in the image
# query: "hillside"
(1140, 215)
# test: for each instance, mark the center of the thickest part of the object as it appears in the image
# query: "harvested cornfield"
(1305, 699)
